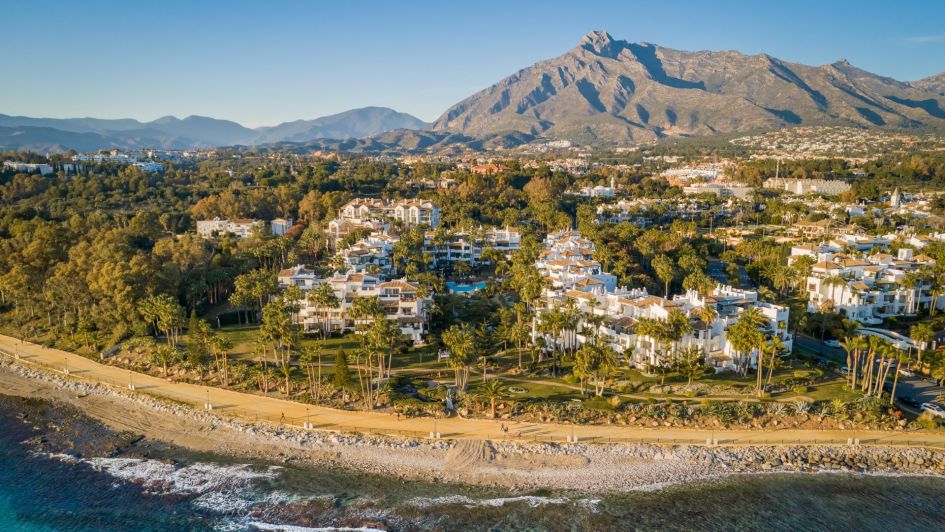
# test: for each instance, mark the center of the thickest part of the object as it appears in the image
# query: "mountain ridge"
(606, 90)
(194, 131)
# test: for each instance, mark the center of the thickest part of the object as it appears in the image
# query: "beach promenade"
(252, 407)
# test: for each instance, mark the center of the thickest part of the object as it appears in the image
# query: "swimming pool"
(456, 288)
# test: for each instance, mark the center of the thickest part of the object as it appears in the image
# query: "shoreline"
(516, 466)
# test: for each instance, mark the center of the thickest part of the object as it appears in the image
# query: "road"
(716, 270)
(920, 389)
(250, 407)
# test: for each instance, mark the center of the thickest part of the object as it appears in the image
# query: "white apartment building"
(411, 212)
(469, 246)
(339, 228)
(241, 228)
(416, 212)
(870, 290)
(707, 173)
(823, 187)
(741, 192)
(371, 254)
(371, 214)
(568, 261)
(401, 300)
(149, 166)
(29, 168)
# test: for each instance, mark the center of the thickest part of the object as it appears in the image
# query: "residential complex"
(402, 301)
(868, 291)
(577, 282)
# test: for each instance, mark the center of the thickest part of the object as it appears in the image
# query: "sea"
(171, 489)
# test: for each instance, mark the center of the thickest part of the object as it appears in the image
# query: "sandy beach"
(516, 465)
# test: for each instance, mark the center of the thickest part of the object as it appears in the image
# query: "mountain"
(611, 91)
(204, 130)
(47, 139)
(355, 123)
(96, 133)
(404, 141)
(934, 84)
(89, 134)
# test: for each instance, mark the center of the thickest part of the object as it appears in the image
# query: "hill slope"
(354, 123)
(611, 91)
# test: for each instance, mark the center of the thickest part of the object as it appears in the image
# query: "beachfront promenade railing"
(505, 430)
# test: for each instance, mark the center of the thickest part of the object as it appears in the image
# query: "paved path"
(251, 407)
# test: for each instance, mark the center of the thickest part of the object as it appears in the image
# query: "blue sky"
(261, 63)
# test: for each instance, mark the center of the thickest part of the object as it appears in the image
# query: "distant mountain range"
(87, 134)
(603, 91)
(611, 91)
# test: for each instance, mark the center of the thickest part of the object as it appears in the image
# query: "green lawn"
(828, 385)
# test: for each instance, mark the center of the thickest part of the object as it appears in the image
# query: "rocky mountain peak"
(600, 42)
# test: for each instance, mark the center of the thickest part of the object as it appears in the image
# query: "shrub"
(799, 389)
(801, 407)
(928, 421)
(801, 374)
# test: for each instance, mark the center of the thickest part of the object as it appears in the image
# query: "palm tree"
(887, 354)
(922, 334)
(834, 281)
(324, 297)
(860, 345)
(222, 345)
(461, 344)
(665, 269)
(849, 346)
(307, 358)
(911, 281)
(492, 391)
(901, 358)
(754, 320)
(708, 314)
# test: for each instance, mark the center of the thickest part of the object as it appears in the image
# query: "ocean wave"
(259, 525)
(530, 500)
(217, 488)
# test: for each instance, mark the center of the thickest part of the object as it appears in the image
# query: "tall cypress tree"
(342, 378)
